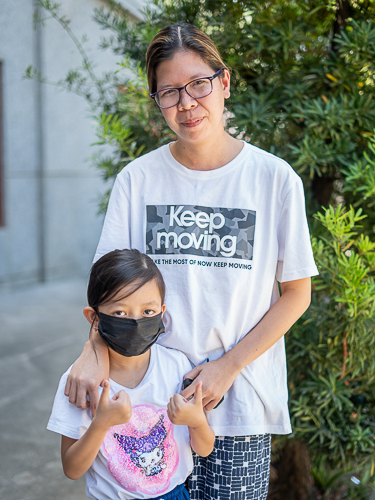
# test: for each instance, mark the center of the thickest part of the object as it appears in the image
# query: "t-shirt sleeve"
(295, 257)
(115, 232)
(66, 419)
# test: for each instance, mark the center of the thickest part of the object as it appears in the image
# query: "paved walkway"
(42, 330)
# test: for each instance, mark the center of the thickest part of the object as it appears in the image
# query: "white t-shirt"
(147, 456)
(222, 239)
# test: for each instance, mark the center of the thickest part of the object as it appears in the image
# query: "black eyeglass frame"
(211, 78)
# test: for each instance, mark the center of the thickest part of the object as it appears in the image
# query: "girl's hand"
(216, 376)
(115, 411)
(183, 412)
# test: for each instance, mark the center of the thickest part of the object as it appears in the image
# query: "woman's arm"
(88, 373)
(191, 413)
(218, 376)
(78, 455)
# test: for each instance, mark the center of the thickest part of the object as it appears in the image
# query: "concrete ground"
(42, 331)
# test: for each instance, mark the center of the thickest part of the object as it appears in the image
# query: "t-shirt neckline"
(202, 174)
(146, 375)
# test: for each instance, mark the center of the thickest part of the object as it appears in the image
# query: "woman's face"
(193, 120)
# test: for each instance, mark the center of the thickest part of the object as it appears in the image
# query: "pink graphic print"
(142, 454)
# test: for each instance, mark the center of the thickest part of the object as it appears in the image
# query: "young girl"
(131, 449)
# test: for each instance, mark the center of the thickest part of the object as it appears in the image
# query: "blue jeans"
(178, 493)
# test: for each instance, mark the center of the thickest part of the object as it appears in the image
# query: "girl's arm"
(191, 413)
(78, 455)
(88, 373)
(218, 376)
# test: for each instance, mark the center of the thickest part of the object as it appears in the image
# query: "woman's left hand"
(217, 377)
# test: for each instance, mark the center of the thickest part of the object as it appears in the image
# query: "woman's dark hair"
(177, 37)
(118, 269)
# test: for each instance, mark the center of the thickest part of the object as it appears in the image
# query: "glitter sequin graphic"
(146, 452)
(142, 454)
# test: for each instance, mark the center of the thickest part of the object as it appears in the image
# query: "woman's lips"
(192, 123)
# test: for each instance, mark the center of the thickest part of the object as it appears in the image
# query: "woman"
(225, 222)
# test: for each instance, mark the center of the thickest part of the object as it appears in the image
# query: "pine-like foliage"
(331, 350)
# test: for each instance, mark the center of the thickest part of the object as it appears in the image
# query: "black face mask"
(130, 337)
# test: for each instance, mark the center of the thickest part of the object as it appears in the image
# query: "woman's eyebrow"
(170, 86)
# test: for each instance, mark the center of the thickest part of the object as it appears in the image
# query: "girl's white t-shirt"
(146, 457)
(222, 240)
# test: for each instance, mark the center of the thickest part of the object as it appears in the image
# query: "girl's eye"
(148, 312)
(119, 313)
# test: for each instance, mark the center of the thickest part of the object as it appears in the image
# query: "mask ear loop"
(96, 318)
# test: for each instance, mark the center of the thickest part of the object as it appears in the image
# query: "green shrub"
(331, 350)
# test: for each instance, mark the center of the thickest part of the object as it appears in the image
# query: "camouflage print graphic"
(201, 231)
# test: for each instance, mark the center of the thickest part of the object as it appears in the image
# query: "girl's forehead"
(149, 291)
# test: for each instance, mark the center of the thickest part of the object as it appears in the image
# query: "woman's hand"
(112, 411)
(88, 373)
(216, 376)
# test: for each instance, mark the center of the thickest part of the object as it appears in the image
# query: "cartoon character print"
(142, 454)
(146, 452)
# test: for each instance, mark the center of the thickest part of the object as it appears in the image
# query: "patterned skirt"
(237, 469)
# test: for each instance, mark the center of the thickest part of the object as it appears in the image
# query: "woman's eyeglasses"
(198, 88)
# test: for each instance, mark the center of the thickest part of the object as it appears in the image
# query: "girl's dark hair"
(177, 37)
(119, 269)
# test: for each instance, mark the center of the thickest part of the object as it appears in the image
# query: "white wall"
(18, 246)
(51, 190)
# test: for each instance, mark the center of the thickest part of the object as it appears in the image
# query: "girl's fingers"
(120, 396)
(179, 400)
(170, 411)
(105, 391)
(117, 395)
(198, 394)
(172, 405)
